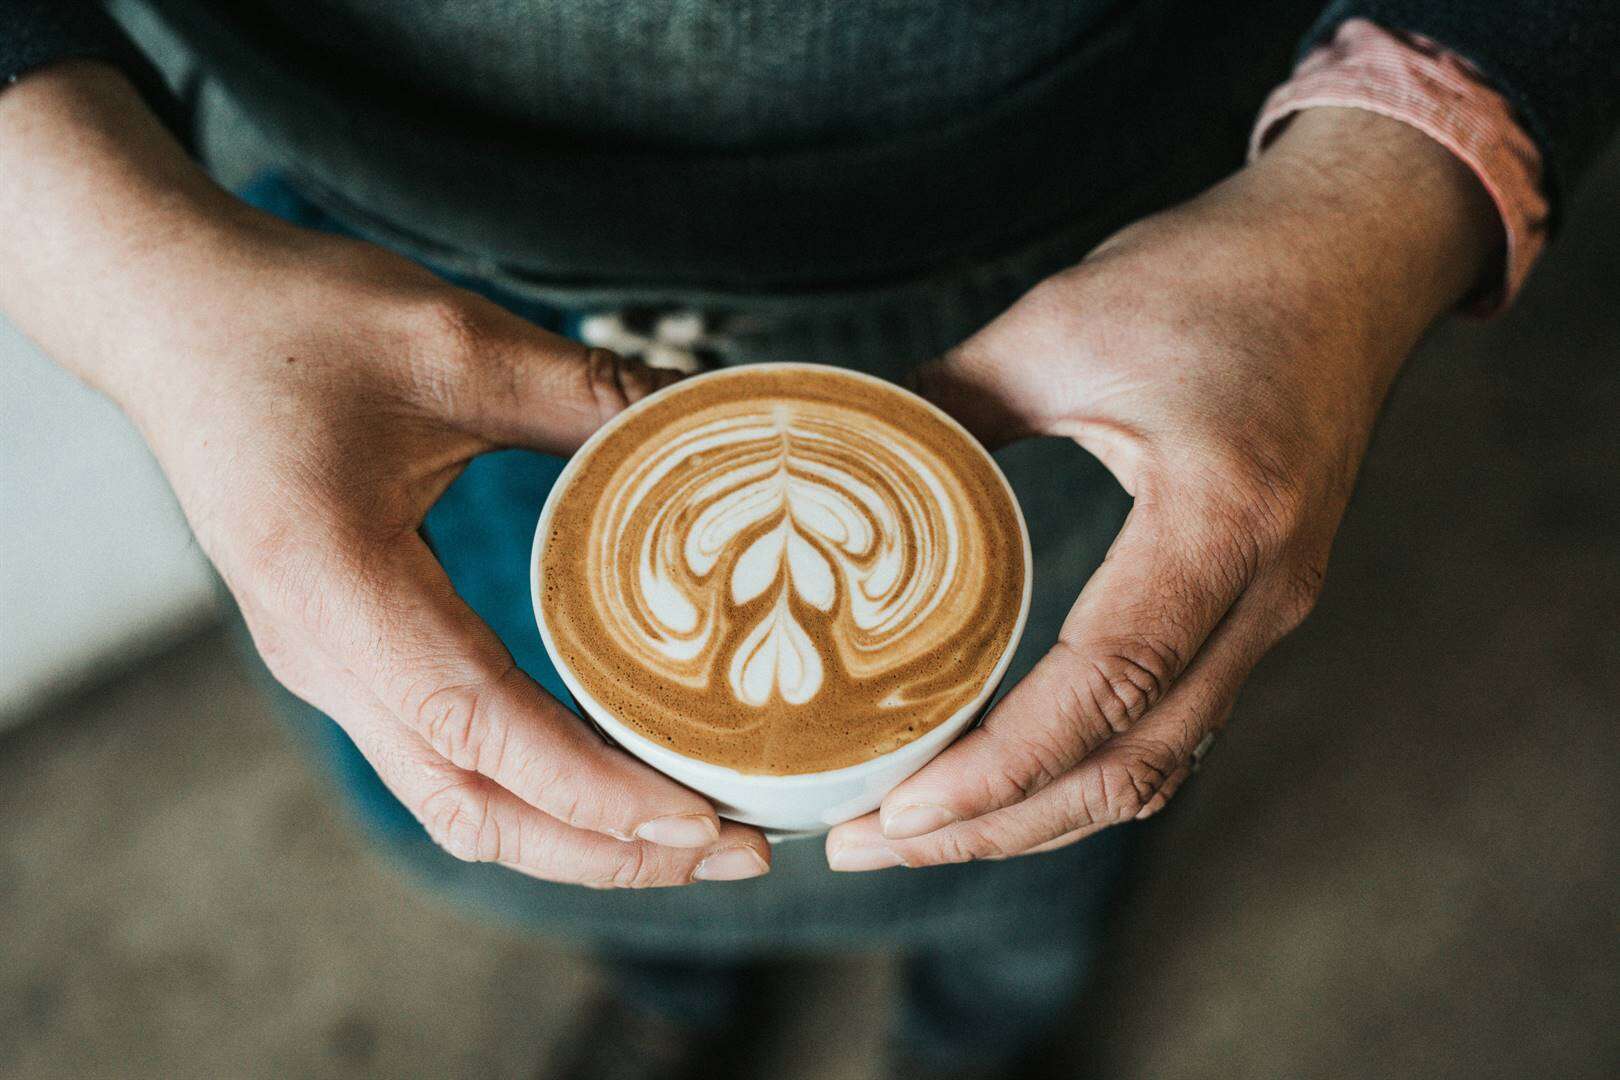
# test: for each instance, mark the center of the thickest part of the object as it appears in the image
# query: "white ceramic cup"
(799, 802)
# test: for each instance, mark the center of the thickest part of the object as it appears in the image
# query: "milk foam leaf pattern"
(776, 655)
(796, 508)
(800, 551)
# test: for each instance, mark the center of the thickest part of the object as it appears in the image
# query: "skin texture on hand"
(1226, 360)
(309, 398)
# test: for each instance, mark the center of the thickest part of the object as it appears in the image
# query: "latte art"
(802, 509)
(785, 580)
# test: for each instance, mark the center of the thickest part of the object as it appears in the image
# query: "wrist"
(104, 212)
(1408, 229)
(1313, 271)
(1339, 245)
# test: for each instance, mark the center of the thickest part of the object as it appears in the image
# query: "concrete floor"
(1400, 862)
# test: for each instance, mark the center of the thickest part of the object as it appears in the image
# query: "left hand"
(1226, 360)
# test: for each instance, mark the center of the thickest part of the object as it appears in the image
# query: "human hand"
(1226, 360)
(309, 398)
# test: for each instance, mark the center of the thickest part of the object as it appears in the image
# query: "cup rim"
(641, 746)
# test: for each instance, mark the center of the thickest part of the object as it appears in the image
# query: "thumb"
(526, 386)
(978, 395)
(1000, 383)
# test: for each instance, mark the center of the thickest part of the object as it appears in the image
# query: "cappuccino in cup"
(777, 572)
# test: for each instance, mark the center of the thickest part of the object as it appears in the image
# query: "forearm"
(1415, 222)
(1364, 230)
(1394, 224)
(104, 214)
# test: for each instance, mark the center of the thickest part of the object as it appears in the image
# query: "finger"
(1154, 805)
(863, 846)
(1137, 624)
(739, 854)
(1130, 778)
(1171, 786)
(1066, 840)
(1131, 774)
(395, 622)
(859, 845)
(534, 388)
(476, 820)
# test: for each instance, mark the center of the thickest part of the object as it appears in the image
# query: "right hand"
(310, 398)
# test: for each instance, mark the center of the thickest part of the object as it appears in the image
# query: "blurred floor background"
(1401, 860)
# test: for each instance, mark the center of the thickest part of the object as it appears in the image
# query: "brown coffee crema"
(783, 570)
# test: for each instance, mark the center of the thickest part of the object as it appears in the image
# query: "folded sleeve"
(1555, 62)
(1411, 79)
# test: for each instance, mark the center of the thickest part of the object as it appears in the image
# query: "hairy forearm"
(102, 217)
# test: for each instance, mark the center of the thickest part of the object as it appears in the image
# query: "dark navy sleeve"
(1557, 62)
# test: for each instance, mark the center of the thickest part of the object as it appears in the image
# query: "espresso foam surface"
(783, 570)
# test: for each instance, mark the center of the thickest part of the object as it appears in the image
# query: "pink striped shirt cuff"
(1411, 79)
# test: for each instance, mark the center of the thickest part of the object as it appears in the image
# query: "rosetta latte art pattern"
(784, 581)
(810, 514)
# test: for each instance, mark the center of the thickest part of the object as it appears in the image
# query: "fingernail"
(915, 820)
(680, 831)
(857, 857)
(731, 864)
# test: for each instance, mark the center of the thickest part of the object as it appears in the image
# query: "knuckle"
(636, 869)
(1301, 588)
(1279, 509)
(1276, 507)
(555, 786)
(1139, 779)
(1120, 789)
(965, 843)
(285, 572)
(1121, 793)
(455, 721)
(457, 818)
(268, 556)
(1026, 765)
(1125, 679)
(1227, 558)
(312, 608)
(607, 382)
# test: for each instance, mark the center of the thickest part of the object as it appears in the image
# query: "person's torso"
(732, 147)
(739, 75)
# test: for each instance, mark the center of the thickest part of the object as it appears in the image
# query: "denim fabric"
(481, 531)
(975, 1006)
(958, 1006)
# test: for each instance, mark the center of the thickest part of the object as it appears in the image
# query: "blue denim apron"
(481, 531)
